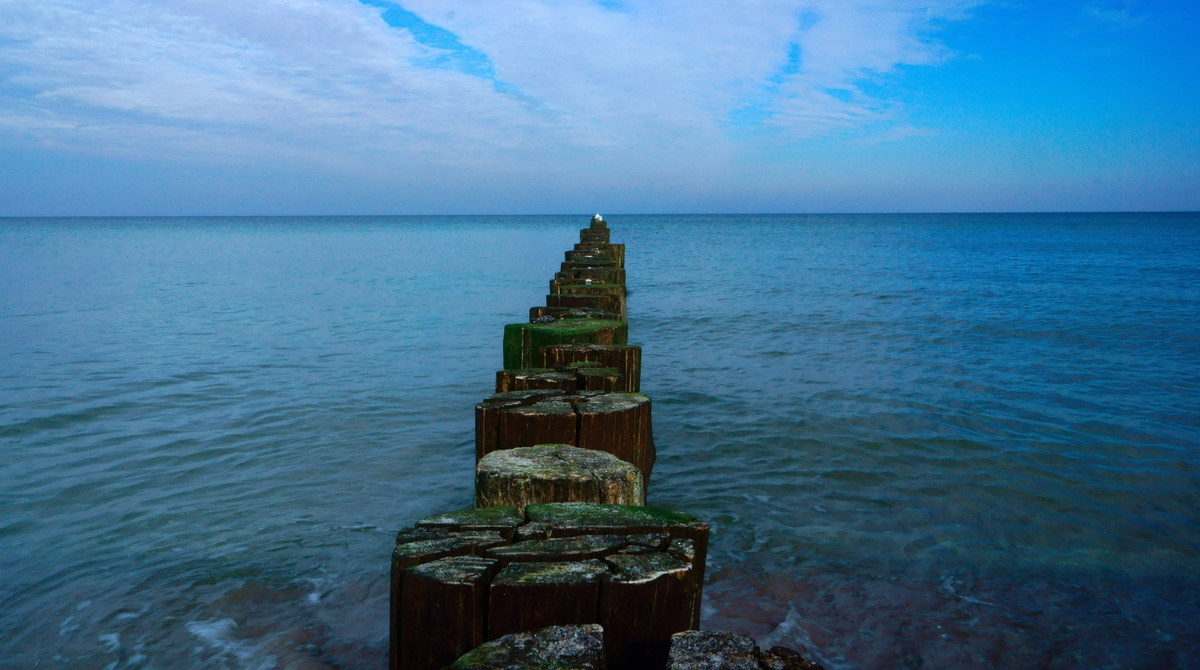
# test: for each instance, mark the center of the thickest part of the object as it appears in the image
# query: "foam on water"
(217, 635)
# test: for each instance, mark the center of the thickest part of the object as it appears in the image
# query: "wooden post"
(541, 312)
(569, 519)
(522, 340)
(443, 608)
(691, 650)
(565, 647)
(607, 303)
(532, 379)
(488, 413)
(502, 520)
(646, 599)
(416, 546)
(600, 275)
(627, 358)
(703, 650)
(616, 423)
(576, 376)
(551, 421)
(638, 568)
(589, 377)
(527, 596)
(555, 473)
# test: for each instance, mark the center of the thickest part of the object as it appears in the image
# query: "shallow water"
(947, 441)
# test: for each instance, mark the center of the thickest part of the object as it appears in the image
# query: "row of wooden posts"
(559, 534)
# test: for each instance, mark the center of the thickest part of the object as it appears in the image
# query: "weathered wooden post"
(464, 577)
(565, 647)
(626, 358)
(522, 340)
(550, 473)
(616, 423)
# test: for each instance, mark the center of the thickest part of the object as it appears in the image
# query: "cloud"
(1116, 16)
(375, 84)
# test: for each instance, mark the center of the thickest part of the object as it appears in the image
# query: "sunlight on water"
(946, 441)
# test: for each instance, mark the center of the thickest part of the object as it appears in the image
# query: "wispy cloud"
(376, 82)
(1115, 16)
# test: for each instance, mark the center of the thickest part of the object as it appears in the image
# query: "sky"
(285, 107)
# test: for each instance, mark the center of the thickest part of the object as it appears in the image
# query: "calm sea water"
(922, 441)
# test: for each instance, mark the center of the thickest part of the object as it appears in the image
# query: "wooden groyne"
(560, 561)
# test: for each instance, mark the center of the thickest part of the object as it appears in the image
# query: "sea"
(921, 441)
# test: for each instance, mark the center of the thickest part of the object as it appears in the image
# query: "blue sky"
(123, 107)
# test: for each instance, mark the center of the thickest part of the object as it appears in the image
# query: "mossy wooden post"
(533, 379)
(596, 378)
(417, 546)
(625, 358)
(527, 596)
(616, 423)
(549, 648)
(586, 287)
(522, 340)
(551, 421)
(444, 605)
(601, 275)
(541, 312)
(639, 568)
(578, 376)
(648, 598)
(709, 649)
(571, 519)
(551, 473)
(489, 412)
(501, 520)
(614, 304)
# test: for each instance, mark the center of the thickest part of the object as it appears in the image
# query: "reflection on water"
(921, 441)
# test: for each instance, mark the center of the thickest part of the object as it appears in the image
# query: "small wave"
(218, 636)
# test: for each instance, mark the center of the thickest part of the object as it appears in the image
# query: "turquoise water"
(938, 441)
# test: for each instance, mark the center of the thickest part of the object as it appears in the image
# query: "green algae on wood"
(525, 596)
(522, 340)
(568, 519)
(586, 515)
(578, 647)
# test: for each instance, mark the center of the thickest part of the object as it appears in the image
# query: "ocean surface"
(929, 441)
